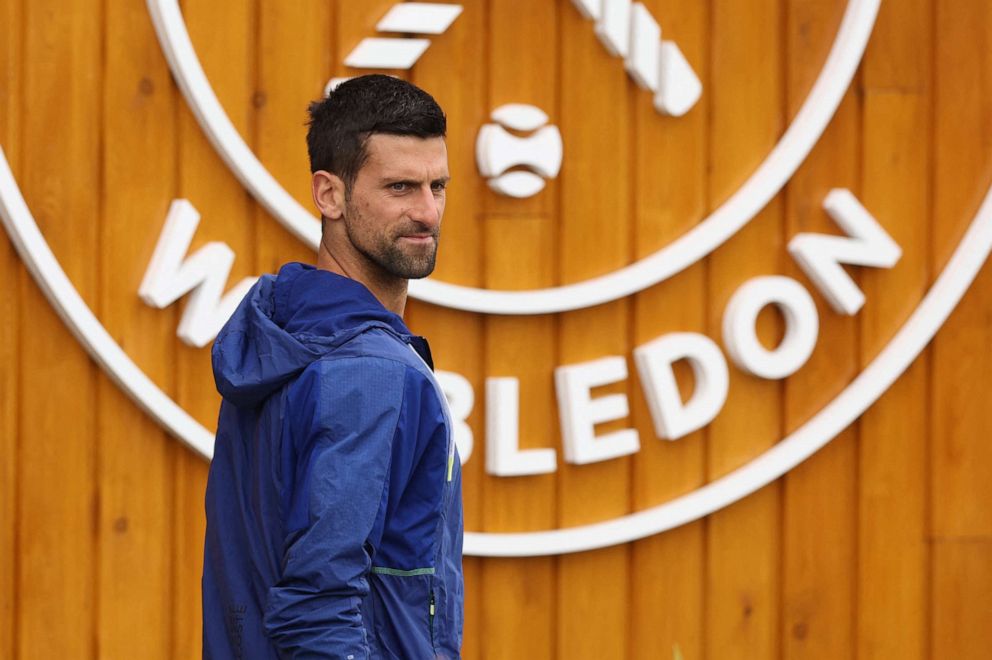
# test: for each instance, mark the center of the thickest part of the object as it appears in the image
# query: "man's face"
(393, 217)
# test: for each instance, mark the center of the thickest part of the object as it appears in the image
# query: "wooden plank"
(295, 59)
(743, 544)
(135, 455)
(962, 598)
(56, 461)
(223, 33)
(187, 558)
(960, 458)
(10, 357)
(596, 194)
(9, 403)
(961, 464)
(11, 79)
(519, 594)
(892, 550)
(459, 55)
(670, 197)
(820, 511)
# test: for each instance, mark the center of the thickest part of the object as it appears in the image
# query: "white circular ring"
(763, 184)
(862, 392)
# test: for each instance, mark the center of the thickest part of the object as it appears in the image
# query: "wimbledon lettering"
(171, 274)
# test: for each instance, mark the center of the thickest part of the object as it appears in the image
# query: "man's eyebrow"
(397, 176)
(387, 180)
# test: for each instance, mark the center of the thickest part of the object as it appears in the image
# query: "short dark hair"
(342, 122)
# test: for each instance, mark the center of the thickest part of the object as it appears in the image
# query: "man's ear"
(328, 194)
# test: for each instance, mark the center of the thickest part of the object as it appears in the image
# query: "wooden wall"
(879, 546)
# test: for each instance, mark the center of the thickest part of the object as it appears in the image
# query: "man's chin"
(405, 259)
(420, 276)
(418, 271)
(412, 270)
(420, 264)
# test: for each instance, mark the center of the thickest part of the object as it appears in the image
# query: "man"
(334, 524)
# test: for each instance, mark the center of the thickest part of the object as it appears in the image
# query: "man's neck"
(389, 290)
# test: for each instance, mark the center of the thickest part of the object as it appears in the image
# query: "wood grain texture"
(962, 598)
(594, 189)
(742, 597)
(135, 461)
(670, 197)
(55, 540)
(518, 597)
(962, 469)
(11, 273)
(819, 515)
(877, 547)
(893, 554)
(294, 58)
(960, 464)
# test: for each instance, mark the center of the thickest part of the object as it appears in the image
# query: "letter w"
(171, 275)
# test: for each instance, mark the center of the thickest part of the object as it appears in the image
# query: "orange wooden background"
(879, 546)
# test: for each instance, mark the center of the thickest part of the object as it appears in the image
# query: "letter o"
(802, 326)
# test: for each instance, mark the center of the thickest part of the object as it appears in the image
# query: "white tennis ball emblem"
(533, 158)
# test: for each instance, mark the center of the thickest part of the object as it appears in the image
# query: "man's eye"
(399, 186)
(439, 187)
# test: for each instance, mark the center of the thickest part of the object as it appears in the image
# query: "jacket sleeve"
(347, 414)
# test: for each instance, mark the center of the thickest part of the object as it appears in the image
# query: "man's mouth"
(419, 239)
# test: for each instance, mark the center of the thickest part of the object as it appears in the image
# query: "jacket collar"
(311, 303)
(314, 302)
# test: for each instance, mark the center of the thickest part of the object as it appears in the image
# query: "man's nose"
(426, 208)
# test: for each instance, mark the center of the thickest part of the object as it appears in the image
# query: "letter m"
(171, 275)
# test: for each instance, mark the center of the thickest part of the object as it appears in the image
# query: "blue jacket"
(334, 520)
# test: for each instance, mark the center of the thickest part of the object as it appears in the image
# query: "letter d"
(674, 419)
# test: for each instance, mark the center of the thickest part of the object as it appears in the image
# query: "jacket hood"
(286, 322)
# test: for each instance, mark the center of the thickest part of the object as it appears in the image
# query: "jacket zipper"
(432, 618)
(450, 463)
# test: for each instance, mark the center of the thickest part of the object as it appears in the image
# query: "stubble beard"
(388, 251)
